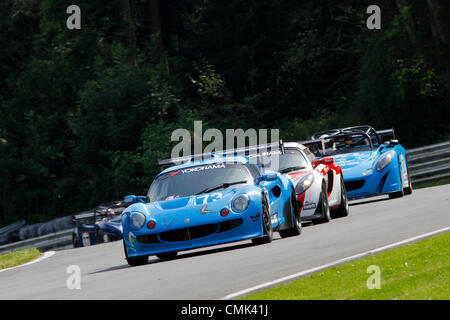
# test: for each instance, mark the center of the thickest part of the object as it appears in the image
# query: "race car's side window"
(311, 157)
(254, 170)
(374, 139)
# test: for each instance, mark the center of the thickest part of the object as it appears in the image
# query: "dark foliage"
(86, 113)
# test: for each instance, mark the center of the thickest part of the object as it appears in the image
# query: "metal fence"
(425, 164)
(430, 163)
(56, 240)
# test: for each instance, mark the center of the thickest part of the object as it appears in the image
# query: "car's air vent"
(148, 238)
(230, 224)
(354, 184)
(190, 233)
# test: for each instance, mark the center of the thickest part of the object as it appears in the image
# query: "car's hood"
(210, 202)
(116, 222)
(355, 163)
(297, 175)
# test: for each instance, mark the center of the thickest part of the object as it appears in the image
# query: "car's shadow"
(367, 201)
(182, 256)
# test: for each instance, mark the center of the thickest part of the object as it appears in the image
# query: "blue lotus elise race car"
(208, 202)
(370, 165)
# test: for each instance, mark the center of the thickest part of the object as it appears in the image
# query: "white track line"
(331, 264)
(45, 255)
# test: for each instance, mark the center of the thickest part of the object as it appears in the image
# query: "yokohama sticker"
(309, 205)
(201, 168)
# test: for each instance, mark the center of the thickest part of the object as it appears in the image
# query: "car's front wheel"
(409, 189)
(75, 242)
(342, 211)
(324, 206)
(266, 224)
(295, 214)
(135, 261)
(401, 193)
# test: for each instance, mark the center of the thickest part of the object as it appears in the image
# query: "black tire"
(324, 207)
(409, 189)
(398, 194)
(295, 214)
(266, 224)
(138, 261)
(75, 242)
(102, 237)
(343, 209)
(167, 255)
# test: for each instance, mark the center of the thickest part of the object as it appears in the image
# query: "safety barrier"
(43, 243)
(429, 163)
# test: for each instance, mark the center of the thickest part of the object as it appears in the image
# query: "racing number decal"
(204, 199)
(86, 239)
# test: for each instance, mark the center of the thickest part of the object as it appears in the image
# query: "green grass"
(417, 271)
(16, 258)
(432, 184)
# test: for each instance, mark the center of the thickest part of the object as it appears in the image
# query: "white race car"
(319, 185)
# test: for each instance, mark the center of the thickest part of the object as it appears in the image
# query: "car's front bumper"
(375, 183)
(145, 244)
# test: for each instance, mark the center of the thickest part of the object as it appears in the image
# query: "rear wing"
(91, 216)
(315, 146)
(87, 217)
(386, 134)
(243, 151)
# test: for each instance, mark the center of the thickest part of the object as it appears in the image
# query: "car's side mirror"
(393, 141)
(315, 163)
(327, 160)
(129, 200)
(270, 177)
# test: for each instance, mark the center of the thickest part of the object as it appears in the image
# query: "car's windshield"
(291, 160)
(345, 144)
(199, 179)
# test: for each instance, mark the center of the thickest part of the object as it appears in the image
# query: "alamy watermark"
(73, 282)
(217, 141)
(74, 20)
(374, 280)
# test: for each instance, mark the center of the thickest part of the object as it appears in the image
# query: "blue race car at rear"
(371, 164)
(208, 202)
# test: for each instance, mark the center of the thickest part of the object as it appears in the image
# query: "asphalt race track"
(214, 272)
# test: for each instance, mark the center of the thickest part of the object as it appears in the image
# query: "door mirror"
(270, 177)
(315, 163)
(129, 200)
(327, 160)
(393, 141)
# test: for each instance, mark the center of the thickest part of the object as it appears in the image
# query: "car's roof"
(213, 160)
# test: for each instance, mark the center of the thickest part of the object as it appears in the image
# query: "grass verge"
(16, 258)
(417, 271)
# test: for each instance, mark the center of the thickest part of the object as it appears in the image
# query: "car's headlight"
(304, 183)
(384, 160)
(240, 203)
(137, 220)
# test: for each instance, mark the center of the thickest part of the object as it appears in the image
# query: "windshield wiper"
(285, 170)
(220, 186)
